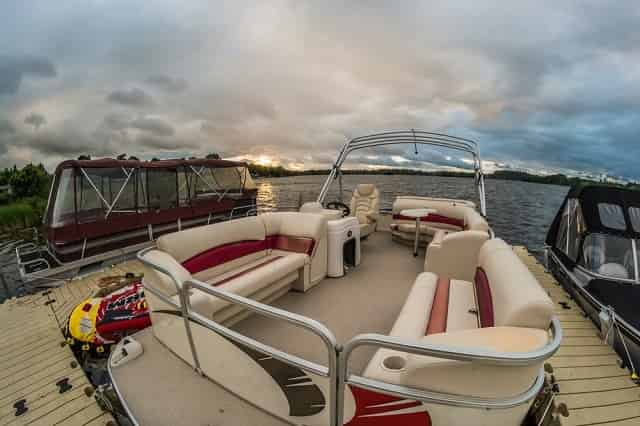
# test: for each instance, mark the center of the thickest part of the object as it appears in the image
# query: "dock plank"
(592, 385)
(32, 359)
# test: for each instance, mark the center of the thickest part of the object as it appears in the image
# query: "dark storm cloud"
(14, 69)
(133, 97)
(36, 120)
(155, 126)
(168, 84)
(6, 127)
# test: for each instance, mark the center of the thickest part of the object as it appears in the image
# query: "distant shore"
(555, 179)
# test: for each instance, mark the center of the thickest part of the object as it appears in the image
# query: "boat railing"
(338, 357)
(189, 314)
(479, 356)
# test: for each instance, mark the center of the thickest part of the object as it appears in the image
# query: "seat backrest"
(507, 293)
(474, 221)
(450, 214)
(365, 202)
(207, 251)
(159, 280)
(301, 233)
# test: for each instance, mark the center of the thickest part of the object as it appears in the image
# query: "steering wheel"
(337, 205)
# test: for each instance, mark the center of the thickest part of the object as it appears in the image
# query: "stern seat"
(450, 216)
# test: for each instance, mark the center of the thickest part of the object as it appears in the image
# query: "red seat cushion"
(294, 244)
(434, 218)
(225, 253)
(483, 298)
(440, 308)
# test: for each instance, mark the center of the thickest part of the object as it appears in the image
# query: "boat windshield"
(610, 256)
(64, 201)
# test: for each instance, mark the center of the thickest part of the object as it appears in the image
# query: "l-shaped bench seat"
(503, 309)
(450, 216)
(259, 257)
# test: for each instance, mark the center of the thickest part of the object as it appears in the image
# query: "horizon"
(287, 83)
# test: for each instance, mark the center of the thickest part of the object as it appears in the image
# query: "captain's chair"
(365, 206)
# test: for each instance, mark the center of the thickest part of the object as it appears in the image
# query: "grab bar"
(444, 352)
(328, 338)
(309, 324)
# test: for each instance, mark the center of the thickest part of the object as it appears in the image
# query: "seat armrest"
(455, 255)
(438, 237)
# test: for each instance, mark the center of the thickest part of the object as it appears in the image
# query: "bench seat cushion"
(248, 280)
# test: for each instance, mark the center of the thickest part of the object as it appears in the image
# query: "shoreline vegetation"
(24, 192)
(259, 171)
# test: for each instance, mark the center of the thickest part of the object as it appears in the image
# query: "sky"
(544, 86)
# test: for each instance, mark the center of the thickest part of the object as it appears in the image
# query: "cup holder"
(394, 363)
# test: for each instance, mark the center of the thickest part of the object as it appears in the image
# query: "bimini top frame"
(416, 137)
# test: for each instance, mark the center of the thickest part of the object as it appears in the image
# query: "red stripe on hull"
(370, 410)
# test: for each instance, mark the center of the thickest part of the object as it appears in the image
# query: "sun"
(264, 160)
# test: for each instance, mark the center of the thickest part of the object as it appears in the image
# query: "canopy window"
(612, 216)
(64, 207)
(205, 182)
(572, 228)
(610, 256)
(634, 217)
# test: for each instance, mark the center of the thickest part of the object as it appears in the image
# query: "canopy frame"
(415, 137)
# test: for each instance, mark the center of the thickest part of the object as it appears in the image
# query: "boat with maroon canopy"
(104, 208)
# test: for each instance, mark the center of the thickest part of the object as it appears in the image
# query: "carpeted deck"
(366, 300)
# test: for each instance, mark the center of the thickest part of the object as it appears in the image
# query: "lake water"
(518, 212)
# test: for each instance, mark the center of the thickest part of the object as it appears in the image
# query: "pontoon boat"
(256, 321)
(108, 208)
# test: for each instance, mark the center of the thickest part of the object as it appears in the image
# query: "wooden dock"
(592, 384)
(34, 358)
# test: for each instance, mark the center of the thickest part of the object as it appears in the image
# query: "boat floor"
(366, 300)
(161, 389)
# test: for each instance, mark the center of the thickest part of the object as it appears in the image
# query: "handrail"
(444, 352)
(309, 324)
(183, 302)
(328, 338)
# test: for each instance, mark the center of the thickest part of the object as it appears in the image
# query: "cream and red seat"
(503, 309)
(260, 257)
(365, 206)
(450, 216)
(454, 254)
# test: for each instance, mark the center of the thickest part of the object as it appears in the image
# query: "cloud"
(168, 84)
(295, 80)
(155, 126)
(14, 69)
(36, 120)
(134, 97)
(6, 127)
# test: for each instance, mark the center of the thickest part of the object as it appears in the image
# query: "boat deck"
(34, 358)
(592, 385)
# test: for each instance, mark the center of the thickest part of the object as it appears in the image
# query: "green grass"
(19, 215)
